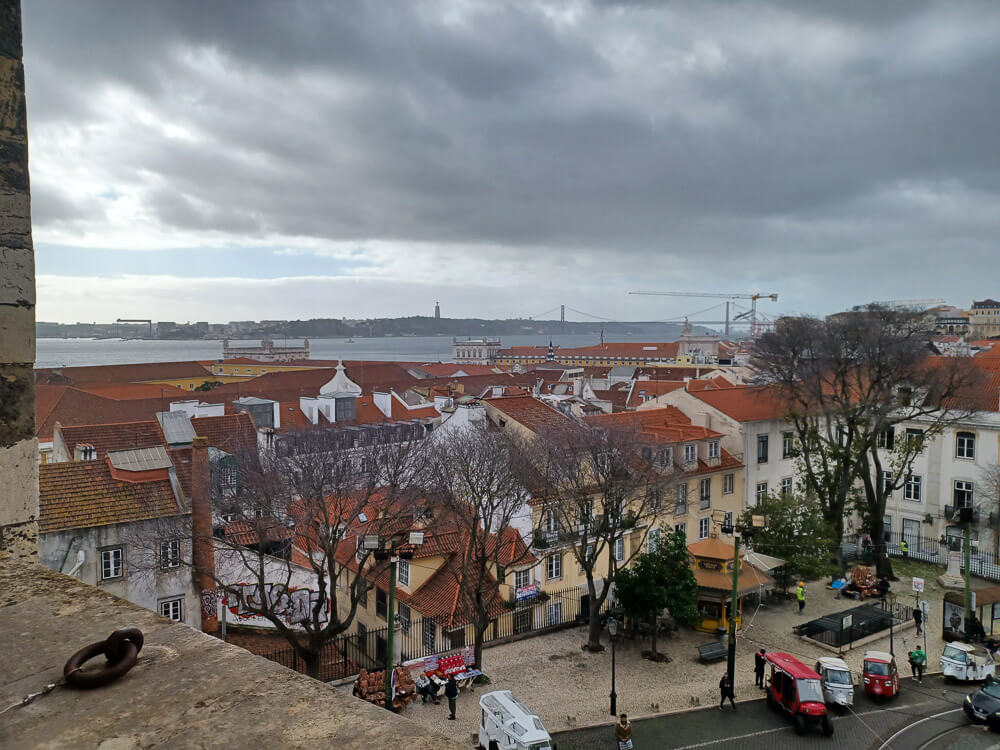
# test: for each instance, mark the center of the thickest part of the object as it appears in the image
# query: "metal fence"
(983, 563)
(418, 637)
(865, 620)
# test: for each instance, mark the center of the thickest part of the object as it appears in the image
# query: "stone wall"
(18, 447)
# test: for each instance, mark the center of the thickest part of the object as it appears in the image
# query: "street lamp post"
(380, 552)
(613, 631)
(757, 522)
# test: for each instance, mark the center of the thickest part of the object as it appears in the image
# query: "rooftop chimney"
(202, 543)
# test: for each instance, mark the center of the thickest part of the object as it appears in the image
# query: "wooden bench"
(709, 652)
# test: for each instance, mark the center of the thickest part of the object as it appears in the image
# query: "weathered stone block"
(19, 487)
(17, 334)
(17, 405)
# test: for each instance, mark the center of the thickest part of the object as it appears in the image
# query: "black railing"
(420, 637)
(984, 562)
(866, 620)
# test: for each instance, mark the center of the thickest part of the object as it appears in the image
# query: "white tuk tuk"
(507, 724)
(838, 685)
(965, 661)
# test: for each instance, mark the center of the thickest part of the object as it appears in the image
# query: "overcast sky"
(263, 159)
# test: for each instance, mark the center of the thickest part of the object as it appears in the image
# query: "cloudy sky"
(262, 159)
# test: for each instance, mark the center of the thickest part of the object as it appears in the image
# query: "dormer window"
(690, 453)
(713, 449)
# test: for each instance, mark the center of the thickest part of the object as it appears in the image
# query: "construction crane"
(750, 316)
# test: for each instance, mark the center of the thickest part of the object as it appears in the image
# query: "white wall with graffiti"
(289, 589)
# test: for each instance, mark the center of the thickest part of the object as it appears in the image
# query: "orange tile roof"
(130, 373)
(746, 403)
(643, 390)
(112, 437)
(713, 548)
(84, 494)
(666, 424)
(624, 350)
(530, 412)
(73, 406)
(232, 433)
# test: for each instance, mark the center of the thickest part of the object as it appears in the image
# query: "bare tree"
(848, 382)
(287, 524)
(594, 487)
(475, 474)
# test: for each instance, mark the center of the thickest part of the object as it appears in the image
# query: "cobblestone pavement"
(930, 713)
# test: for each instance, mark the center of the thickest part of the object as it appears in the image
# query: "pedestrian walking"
(623, 733)
(904, 547)
(800, 594)
(726, 691)
(918, 619)
(918, 660)
(883, 587)
(758, 667)
(451, 693)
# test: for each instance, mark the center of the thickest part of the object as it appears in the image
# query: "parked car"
(880, 675)
(507, 724)
(983, 706)
(798, 691)
(964, 661)
(838, 684)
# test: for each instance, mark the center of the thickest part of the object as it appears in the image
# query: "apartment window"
(550, 521)
(887, 480)
(619, 549)
(887, 438)
(403, 572)
(761, 492)
(381, 604)
(690, 453)
(705, 494)
(655, 497)
(554, 612)
(522, 578)
(170, 554)
(429, 634)
(728, 519)
(680, 528)
(704, 525)
(963, 494)
(363, 597)
(965, 445)
(913, 489)
(682, 500)
(762, 449)
(915, 437)
(653, 540)
(713, 449)
(553, 567)
(588, 557)
(112, 563)
(727, 484)
(173, 609)
(666, 456)
(404, 618)
(786, 487)
(787, 444)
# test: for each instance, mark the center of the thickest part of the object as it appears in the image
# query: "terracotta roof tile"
(83, 494)
(746, 403)
(530, 412)
(112, 437)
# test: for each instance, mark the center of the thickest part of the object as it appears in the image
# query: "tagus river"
(77, 352)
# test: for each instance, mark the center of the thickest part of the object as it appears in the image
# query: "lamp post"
(380, 552)
(757, 522)
(613, 631)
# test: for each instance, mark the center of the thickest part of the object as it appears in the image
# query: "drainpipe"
(202, 542)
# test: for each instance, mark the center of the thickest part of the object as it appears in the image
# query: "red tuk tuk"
(880, 675)
(798, 691)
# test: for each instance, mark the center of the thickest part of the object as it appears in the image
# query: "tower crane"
(751, 316)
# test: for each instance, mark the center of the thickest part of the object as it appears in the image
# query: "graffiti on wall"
(294, 605)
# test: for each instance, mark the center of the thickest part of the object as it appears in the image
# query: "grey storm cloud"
(797, 142)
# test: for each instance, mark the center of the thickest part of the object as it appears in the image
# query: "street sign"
(846, 622)
(925, 607)
(918, 584)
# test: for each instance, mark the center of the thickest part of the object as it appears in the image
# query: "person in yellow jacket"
(800, 594)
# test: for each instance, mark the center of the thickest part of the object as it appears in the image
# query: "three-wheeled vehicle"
(838, 686)
(507, 724)
(797, 690)
(965, 661)
(881, 677)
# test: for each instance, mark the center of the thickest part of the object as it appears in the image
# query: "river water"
(78, 352)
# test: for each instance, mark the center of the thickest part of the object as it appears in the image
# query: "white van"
(507, 724)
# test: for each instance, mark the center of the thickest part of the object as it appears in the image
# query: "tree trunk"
(883, 564)
(594, 644)
(652, 640)
(312, 662)
(477, 647)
